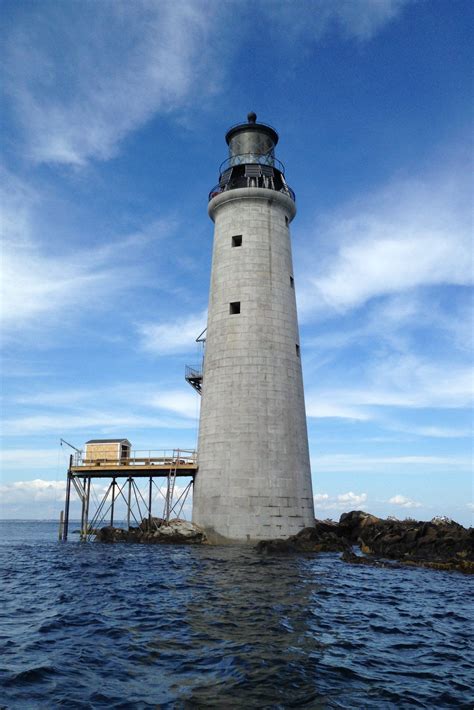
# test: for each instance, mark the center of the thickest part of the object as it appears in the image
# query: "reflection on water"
(92, 626)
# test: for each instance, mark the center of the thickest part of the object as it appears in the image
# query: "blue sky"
(113, 121)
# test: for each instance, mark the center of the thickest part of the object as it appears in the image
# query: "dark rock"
(323, 537)
(151, 524)
(439, 544)
(351, 524)
(174, 532)
(416, 541)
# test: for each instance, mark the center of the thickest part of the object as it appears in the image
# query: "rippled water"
(122, 626)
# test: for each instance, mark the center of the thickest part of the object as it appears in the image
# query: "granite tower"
(254, 478)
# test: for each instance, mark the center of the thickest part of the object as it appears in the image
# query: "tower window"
(292, 282)
(234, 308)
(297, 350)
(237, 240)
(286, 221)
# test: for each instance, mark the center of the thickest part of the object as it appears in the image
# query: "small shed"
(107, 450)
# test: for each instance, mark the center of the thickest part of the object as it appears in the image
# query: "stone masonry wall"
(254, 478)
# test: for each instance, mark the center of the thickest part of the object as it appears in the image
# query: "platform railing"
(252, 159)
(167, 458)
(217, 189)
(190, 371)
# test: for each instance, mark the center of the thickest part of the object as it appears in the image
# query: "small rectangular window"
(286, 221)
(237, 240)
(292, 282)
(234, 308)
(297, 350)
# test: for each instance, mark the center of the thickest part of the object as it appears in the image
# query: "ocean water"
(123, 626)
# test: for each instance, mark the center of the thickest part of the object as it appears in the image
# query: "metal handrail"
(168, 457)
(190, 371)
(217, 189)
(252, 159)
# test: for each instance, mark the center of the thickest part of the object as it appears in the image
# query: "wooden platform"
(108, 471)
(180, 463)
(112, 463)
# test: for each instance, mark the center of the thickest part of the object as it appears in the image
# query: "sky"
(113, 119)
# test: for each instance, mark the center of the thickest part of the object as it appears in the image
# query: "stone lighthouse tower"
(254, 479)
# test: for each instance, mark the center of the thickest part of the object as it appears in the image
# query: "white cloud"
(397, 380)
(352, 498)
(434, 431)
(360, 19)
(42, 498)
(124, 408)
(412, 233)
(343, 501)
(318, 408)
(181, 402)
(363, 18)
(404, 502)
(34, 491)
(36, 285)
(40, 285)
(410, 380)
(126, 61)
(90, 422)
(173, 336)
(130, 61)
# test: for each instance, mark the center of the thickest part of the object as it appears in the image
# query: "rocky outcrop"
(440, 541)
(154, 531)
(439, 544)
(323, 537)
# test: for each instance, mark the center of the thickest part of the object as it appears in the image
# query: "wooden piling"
(61, 525)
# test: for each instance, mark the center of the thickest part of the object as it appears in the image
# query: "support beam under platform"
(124, 498)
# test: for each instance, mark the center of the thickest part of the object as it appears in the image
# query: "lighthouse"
(254, 478)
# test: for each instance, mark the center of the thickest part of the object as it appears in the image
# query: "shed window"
(234, 308)
(237, 240)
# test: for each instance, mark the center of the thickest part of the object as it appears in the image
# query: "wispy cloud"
(359, 19)
(319, 407)
(99, 410)
(396, 382)
(37, 287)
(411, 233)
(328, 463)
(41, 283)
(90, 422)
(435, 432)
(406, 381)
(173, 336)
(182, 402)
(35, 458)
(126, 62)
